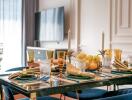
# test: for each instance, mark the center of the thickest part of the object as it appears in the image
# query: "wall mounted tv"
(49, 25)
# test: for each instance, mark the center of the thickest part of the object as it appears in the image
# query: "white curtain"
(11, 33)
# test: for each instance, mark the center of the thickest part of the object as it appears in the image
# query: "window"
(11, 33)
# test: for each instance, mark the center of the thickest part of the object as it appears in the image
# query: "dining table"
(54, 85)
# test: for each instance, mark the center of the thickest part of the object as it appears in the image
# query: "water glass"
(45, 68)
(106, 64)
(81, 65)
(106, 61)
(129, 60)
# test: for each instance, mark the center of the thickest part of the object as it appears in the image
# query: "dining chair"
(118, 92)
(121, 94)
(86, 94)
(39, 55)
(119, 97)
(8, 95)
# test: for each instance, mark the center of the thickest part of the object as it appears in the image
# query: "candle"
(102, 40)
(69, 39)
(70, 19)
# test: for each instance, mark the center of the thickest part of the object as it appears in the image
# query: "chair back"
(8, 95)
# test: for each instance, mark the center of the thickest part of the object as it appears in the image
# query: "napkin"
(44, 78)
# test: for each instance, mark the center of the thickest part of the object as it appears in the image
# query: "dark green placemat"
(78, 77)
(121, 72)
(25, 79)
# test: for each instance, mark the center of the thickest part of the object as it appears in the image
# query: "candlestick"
(102, 40)
(70, 19)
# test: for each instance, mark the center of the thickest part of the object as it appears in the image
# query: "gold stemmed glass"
(117, 54)
(1, 53)
(30, 55)
(61, 55)
(50, 56)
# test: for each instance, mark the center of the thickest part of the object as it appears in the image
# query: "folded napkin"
(44, 78)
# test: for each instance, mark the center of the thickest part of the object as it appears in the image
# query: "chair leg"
(108, 87)
(117, 87)
(77, 94)
(64, 97)
(60, 96)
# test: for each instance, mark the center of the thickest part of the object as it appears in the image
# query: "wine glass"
(117, 54)
(1, 53)
(30, 56)
(45, 69)
(61, 55)
(49, 54)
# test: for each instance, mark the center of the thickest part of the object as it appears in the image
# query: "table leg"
(33, 96)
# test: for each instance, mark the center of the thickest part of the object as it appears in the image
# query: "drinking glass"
(49, 54)
(0, 61)
(61, 63)
(106, 61)
(81, 65)
(117, 54)
(129, 58)
(45, 68)
(30, 56)
(1, 53)
(61, 54)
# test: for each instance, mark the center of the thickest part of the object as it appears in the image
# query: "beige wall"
(94, 21)
(121, 26)
(94, 18)
(89, 18)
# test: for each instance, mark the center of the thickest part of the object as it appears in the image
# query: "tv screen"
(49, 24)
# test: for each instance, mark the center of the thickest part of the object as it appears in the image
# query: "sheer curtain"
(11, 33)
(16, 30)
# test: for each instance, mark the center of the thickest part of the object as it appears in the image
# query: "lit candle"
(102, 40)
